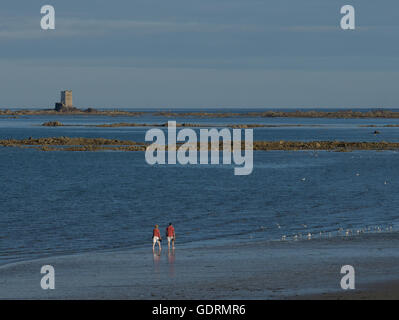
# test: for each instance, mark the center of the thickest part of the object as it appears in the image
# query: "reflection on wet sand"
(157, 261)
(171, 260)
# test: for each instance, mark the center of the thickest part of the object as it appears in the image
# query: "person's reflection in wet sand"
(157, 261)
(171, 260)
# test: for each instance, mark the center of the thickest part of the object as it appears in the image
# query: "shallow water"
(68, 202)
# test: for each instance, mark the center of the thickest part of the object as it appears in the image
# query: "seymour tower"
(66, 98)
(66, 101)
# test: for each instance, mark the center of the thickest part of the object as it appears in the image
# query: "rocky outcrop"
(94, 144)
(52, 124)
(341, 114)
(59, 107)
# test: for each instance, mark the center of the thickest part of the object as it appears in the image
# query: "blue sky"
(200, 53)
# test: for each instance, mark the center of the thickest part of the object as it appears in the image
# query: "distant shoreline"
(204, 125)
(339, 114)
(187, 125)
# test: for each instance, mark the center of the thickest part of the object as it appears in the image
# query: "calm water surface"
(67, 202)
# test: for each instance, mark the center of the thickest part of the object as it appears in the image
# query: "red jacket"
(170, 231)
(156, 233)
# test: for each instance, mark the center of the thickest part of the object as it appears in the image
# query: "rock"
(52, 124)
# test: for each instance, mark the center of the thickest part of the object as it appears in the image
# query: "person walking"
(171, 235)
(156, 238)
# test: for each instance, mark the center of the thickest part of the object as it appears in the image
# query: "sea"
(61, 202)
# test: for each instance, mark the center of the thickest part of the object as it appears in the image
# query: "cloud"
(78, 27)
(29, 28)
(310, 28)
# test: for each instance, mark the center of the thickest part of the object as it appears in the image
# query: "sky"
(200, 54)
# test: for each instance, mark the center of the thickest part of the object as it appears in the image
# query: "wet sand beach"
(306, 269)
(388, 290)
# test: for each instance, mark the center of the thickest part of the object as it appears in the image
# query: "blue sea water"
(67, 202)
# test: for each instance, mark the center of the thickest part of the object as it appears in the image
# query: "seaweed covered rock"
(52, 124)
(90, 110)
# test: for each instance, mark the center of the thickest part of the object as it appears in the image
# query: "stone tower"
(66, 101)
(66, 98)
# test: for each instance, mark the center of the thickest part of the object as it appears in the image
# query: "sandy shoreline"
(385, 290)
(307, 269)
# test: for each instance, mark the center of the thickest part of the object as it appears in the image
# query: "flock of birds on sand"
(340, 232)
